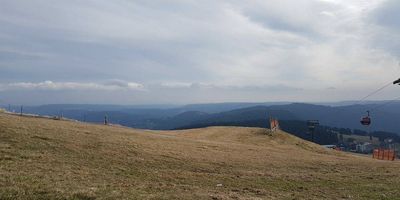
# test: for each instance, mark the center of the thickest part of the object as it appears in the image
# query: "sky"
(186, 51)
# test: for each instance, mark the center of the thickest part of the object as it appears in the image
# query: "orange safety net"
(384, 154)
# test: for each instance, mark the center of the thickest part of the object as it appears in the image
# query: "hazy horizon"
(171, 105)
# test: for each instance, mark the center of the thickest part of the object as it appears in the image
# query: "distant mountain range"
(384, 117)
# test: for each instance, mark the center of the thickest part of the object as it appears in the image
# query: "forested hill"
(164, 117)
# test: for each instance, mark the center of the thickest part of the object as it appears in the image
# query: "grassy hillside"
(49, 159)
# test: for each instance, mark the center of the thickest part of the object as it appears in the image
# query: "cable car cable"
(366, 121)
(370, 94)
(374, 92)
(388, 102)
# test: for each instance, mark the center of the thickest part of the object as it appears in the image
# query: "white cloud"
(175, 85)
(50, 85)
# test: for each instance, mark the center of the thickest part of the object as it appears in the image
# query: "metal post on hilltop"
(105, 120)
(311, 124)
(22, 107)
(312, 134)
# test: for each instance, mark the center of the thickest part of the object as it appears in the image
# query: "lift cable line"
(376, 91)
(366, 121)
(386, 103)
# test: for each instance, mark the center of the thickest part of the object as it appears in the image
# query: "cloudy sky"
(186, 51)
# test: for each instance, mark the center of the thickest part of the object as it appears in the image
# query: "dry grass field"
(50, 159)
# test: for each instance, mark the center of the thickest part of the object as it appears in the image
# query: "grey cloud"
(211, 50)
(386, 33)
(388, 15)
(9, 55)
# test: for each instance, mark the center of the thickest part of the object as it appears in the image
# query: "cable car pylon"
(396, 82)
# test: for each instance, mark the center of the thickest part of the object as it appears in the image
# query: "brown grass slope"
(48, 159)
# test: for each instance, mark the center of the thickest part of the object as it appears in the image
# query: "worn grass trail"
(49, 159)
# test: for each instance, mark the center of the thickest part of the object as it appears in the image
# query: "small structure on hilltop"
(274, 124)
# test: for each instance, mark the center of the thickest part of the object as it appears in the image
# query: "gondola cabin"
(366, 121)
